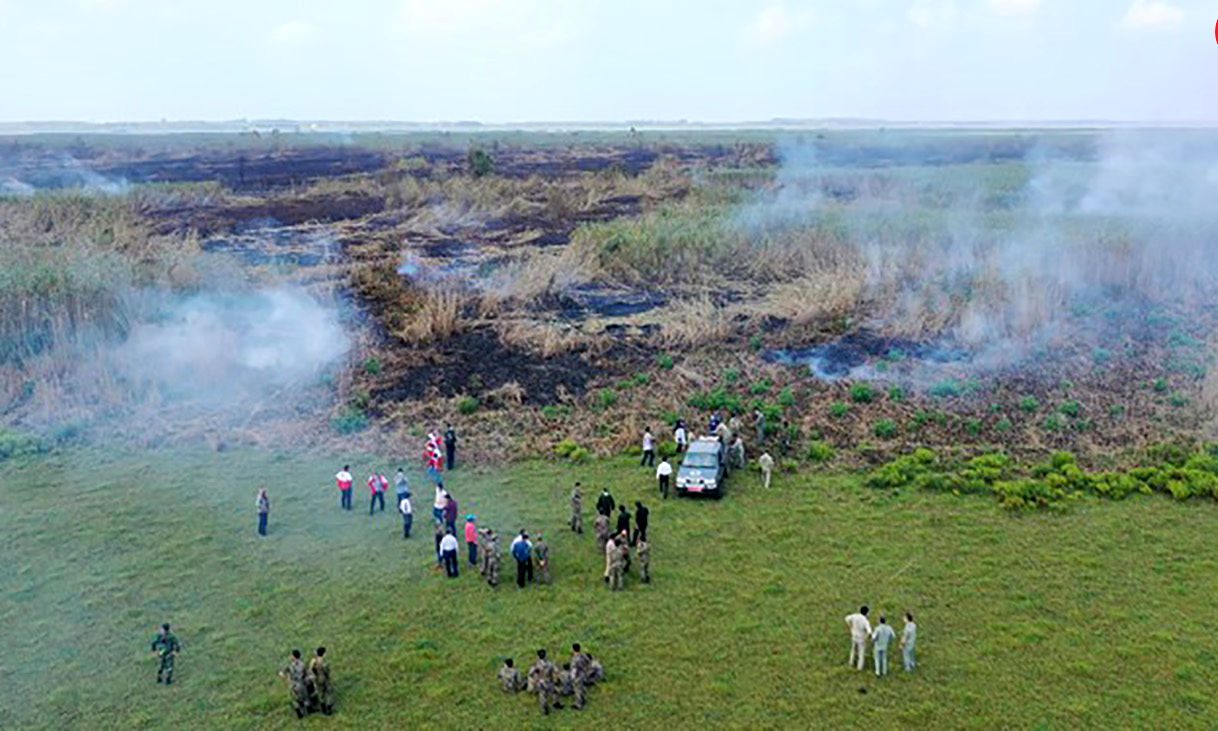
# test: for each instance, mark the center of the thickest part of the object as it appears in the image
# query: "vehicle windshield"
(700, 459)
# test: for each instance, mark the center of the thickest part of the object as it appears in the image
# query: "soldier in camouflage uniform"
(601, 526)
(580, 665)
(596, 672)
(542, 677)
(166, 646)
(319, 671)
(577, 510)
(492, 559)
(617, 565)
(294, 673)
(643, 549)
(483, 550)
(541, 552)
(509, 677)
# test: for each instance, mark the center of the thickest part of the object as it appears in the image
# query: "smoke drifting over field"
(1061, 247)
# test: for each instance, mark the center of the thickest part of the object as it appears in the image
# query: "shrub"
(468, 405)
(885, 429)
(717, 400)
(972, 427)
(839, 409)
(372, 366)
(895, 355)
(896, 394)
(579, 455)
(789, 465)
(1052, 423)
(664, 360)
(667, 449)
(731, 375)
(819, 451)
(554, 412)
(1160, 385)
(350, 420)
(761, 388)
(1178, 400)
(1003, 426)
(605, 398)
(786, 398)
(565, 448)
(1116, 410)
(771, 412)
(946, 389)
(361, 400)
(755, 342)
(480, 163)
(862, 393)
(1101, 356)
(19, 444)
(1028, 404)
(1071, 409)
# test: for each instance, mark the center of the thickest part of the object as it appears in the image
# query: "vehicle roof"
(705, 445)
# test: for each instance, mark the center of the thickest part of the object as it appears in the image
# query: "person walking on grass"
(880, 639)
(680, 435)
(649, 448)
(448, 552)
(450, 448)
(623, 521)
(766, 463)
(541, 552)
(377, 485)
(264, 511)
(664, 475)
(471, 538)
(909, 638)
(620, 563)
(323, 685)
(860, 632)
(601, 527)
(610, 554)
(295, 673)
(522, 551)
(165, 646)
(344, 480)
(407, 512)
(642, 549)
(434, 460)
(577, 510)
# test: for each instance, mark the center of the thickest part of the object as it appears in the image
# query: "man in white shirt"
(344, 480)
(649, 448)
(437, 508)
(880, 640)
(909, 638)
(610, 552)
(407, 511)
(860, 631)
(448, 552)
(680, 436)
(664, 475)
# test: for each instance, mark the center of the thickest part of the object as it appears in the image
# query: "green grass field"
(1099, 617)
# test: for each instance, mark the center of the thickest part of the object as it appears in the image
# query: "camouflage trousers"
(616, 574)
(492, 573)
(165, 671)
(546, 696)
(300, 698)
(577, 522)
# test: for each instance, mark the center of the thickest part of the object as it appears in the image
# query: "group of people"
(615, 543)
(880, 637)
(551, 683)
(310, 686)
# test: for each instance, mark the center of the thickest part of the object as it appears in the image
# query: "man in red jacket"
(344, 480)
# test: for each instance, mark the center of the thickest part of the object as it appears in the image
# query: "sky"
(503, 61)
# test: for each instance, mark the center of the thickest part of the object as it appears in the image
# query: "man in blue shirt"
(522, 551)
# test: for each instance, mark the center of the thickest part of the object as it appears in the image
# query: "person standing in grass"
(664, 475)
(623, 521)
(450, 513)
(344, 480)
(617, 567)
(295, 673)
(522, 551)
(541, 551)
(434, 460)
(322, 684)
(577, 510)
(450, 447)
(737, 452)
(448, 552)
(610, 553)
(649, 448)
(605, 503)
(264, 511)
(680, 435)
(401, 485)
(377, 485)
(471, 538)
(437, 508)
(759, 424)
(407, 511)
(860, 632)
(601, 526)
(440, 532)
(766, 463)
(642, 516)
(643, 550)
(713, 426)
(909, 638)
(509, 677)
(880, 639)
(165, 646)
(492, 558)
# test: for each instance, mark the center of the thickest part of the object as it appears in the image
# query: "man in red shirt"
(377, 485)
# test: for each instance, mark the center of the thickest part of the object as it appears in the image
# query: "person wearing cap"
(471, 538)
(166, 647)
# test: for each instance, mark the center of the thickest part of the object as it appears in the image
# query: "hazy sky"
(517, 60)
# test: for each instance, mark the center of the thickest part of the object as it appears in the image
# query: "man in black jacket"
(450, 447)
(605, 503)
(641, 516)
(623, 521)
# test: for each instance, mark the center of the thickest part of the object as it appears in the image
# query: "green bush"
(1160, 385)
(579, 455)
(772, 414)
(1071, 408)
(717, 400)
(896, 394)
(862, 393)
(468, 405)
(565, 448)
(839, 409)
(1052, 422)
(755, 342)
(731, 375)
(885, 429)
(786, 398)
(1178, 400)
(1028, 404)
(761, 388)
(664, 360)
(1116, 410)
(1003, 426)
(480, 163)
(789, 465)
(372, 366)
(819, 451)
(667, 449)
(19, 444)
(972, 427)
(606, 398)
(350, 420)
